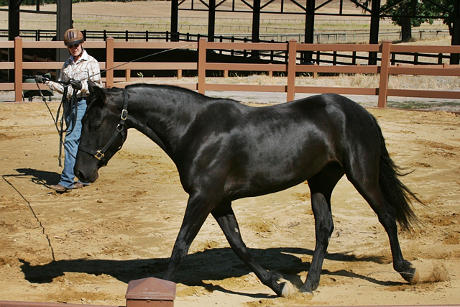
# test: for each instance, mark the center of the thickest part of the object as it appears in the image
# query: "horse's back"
(269, 148)
(342, 115)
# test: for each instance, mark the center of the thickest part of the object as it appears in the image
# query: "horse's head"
(103, 132)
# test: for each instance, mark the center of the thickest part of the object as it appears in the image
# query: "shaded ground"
(123, 227)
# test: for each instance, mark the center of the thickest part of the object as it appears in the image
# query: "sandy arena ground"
(84, 246)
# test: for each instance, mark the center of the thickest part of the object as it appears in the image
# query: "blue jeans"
(72, 139)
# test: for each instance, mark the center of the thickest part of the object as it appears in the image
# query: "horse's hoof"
(288, 289)
(415, 278)
(409, 273)
(306, 290)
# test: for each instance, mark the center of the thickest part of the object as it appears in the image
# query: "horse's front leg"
(226, 219)
(198, 209)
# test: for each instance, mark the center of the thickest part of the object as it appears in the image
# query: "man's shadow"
(212, 264)
(38, 176)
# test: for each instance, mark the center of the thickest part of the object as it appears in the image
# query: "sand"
(84, 246)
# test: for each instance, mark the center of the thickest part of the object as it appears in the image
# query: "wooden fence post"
(109, 62)
(150, 292)
(202, 65)
(292, 52)
(384, 76)
(18, 69)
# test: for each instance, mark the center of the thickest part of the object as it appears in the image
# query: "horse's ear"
(96, 94)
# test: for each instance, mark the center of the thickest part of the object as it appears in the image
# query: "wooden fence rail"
(291, 69)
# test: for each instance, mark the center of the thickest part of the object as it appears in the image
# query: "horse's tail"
(397, 196)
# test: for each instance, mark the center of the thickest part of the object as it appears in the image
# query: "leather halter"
(99, 154)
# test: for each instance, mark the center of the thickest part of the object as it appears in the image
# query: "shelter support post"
(174, 20)
(63, 22)
(374, 30)
(211, 20)
(13, 19)
(255, 27)
(454, 57)
(256, 21)
(307, 56)
(13, 29)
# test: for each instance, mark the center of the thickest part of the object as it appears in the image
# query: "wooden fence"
(291, 69)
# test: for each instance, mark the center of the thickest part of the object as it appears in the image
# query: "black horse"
(225, 150)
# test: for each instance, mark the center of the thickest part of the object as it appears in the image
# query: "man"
(78, 69)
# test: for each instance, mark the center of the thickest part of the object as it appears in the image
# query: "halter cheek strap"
(99, 154)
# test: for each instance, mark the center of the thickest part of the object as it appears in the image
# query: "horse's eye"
(92, 119)
(94, 124)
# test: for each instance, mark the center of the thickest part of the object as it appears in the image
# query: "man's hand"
(76, 84)
(40, 79)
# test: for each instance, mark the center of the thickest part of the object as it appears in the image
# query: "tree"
(412, 13)
(403, 13)
(450, 9)
(444, 8)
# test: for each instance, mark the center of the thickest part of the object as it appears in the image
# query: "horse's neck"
(163, 119)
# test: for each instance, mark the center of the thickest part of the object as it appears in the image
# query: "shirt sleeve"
(94, 74)
(55, 86)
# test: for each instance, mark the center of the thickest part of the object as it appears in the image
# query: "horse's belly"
(271, 176)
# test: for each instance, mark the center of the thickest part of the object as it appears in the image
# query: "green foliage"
(401, 9)
(442, 8)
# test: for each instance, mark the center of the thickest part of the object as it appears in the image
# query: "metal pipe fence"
(329, 37)
(321, 58)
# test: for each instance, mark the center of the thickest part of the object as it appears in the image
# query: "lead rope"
(60, 117)
(34, 215)
(74, 102)
(140, 58)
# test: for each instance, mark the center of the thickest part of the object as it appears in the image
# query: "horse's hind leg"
(321, 186)
(226, 219)
(366, 182)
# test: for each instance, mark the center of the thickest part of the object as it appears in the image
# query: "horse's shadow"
(38, 176)
(212, 264)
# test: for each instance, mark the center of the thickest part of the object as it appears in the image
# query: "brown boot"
(59, 188)
(78, 185)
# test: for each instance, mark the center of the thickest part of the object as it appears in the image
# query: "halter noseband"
(99, 154)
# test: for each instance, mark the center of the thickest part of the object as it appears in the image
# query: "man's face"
(75, 50)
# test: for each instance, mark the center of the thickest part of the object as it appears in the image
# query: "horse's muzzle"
(86, 177)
